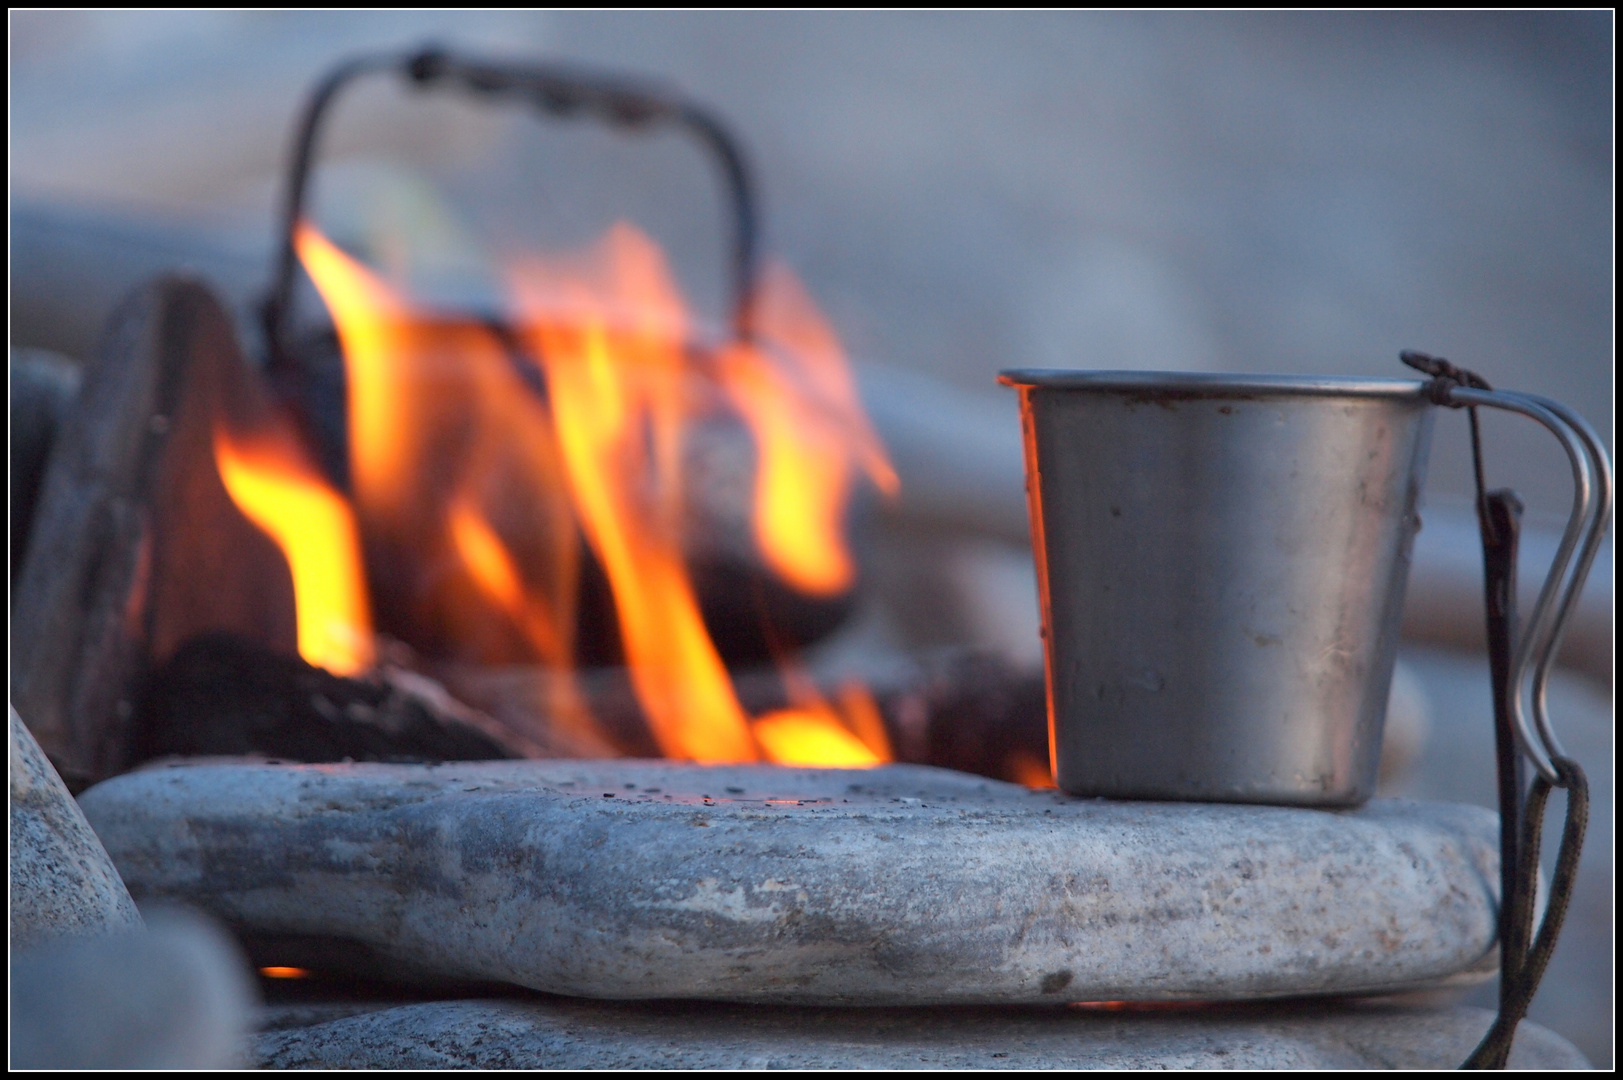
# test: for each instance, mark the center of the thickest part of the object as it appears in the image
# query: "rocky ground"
(1299, 193)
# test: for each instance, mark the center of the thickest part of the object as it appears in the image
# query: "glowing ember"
(805, 737)
(461, 468)
(1027, 770)
(281, 492)
(813, 732)
(284, 973)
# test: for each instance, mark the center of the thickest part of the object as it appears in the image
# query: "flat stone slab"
(572, 1034)
(903, 885)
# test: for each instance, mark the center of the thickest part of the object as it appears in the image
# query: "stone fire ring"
(902, 885)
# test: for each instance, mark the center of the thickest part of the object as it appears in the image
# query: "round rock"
(62, 882)
(902, 885)
(175, 995)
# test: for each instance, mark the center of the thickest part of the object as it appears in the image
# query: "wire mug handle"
(1523, 957)
(1540, 642)
(1552, 613)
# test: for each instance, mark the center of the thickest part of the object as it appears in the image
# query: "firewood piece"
(222, 695)
(136, 546)
(517, 699)
(957, 709)
(970, 711)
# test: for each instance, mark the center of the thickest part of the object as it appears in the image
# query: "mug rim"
(1209, 384)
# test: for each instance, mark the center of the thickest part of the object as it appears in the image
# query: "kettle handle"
(1591, 510)
(557, 91)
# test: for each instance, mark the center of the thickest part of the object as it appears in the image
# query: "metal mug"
(1221, 565)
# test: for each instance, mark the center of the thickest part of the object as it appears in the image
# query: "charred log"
(136, 546)
(970, 711)
(222, 695)
(955, 709)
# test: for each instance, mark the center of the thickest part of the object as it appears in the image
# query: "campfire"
(486, 467)
(465, 648)
(587, 522)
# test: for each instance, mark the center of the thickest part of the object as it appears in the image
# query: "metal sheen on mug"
(1221, 562)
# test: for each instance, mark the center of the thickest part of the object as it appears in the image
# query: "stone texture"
(176, 995)
(566, 1034)
(62, 881)
(896, 886)
(43, 385)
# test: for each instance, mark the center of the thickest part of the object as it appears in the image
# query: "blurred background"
(1291, 193)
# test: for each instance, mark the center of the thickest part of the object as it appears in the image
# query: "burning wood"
(501, 490)
(223, 695)
(486, 477)
(480, 460)
(136, 546)
(220, 695)
(955, 709)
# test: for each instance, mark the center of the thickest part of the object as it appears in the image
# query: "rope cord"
(1521, 825)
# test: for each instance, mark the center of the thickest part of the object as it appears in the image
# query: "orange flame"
(861, 714)
(282, 493)
(809, 426)
(618, 405)
(813, 732)
(493, 569)
(447, 443)
(377, 334)
(438, 417)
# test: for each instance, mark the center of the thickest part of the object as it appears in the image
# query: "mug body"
(1221, 562)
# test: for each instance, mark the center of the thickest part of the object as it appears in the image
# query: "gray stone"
(897, 886)
(176, 995)
(43, 386)
(62, 881)
(567, 1034)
